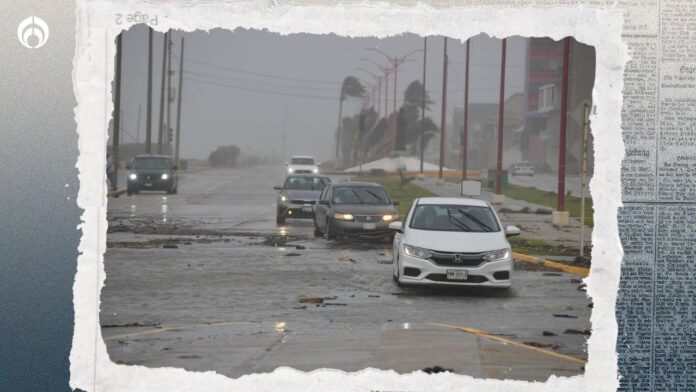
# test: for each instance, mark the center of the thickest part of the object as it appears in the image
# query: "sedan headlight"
(315, 170)
(417, 252)
(165, 176)
(344, 217)
(133, 176)
(290, 170)
(497, 255)
(283, 198)
(390, 217)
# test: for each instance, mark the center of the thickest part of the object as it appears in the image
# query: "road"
(205, 280)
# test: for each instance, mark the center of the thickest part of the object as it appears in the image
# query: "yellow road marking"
(486, 335)
(551, 264)
(177, 327)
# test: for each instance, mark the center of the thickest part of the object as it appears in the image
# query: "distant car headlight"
(165, 176)
(344, 217)
(133, 176)
(417, 252)
(390, 217)
(283, 198)
(497, 255)
(316, 170)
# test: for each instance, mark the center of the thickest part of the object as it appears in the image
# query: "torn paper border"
(90, 366)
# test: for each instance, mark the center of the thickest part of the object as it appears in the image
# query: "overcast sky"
(238, 84)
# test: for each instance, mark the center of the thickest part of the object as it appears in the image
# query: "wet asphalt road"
(205, 280)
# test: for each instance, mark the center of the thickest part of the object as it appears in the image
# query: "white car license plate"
(307, 208)
(453, 274)
(369, 226)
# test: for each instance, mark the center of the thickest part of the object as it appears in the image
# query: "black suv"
(152, 173)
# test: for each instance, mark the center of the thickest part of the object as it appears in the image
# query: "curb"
(580, 271)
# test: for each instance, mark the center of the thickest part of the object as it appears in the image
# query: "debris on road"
(573, 280)
(170, 246)
(330, 298)
(565, 315)
(552, 274)
(436, 369)
(578, 332)
(128, 325)
(299, 247)
(335, 304)
(299, 307)
(552, 346)
(548, 333)
(311, 300)
(293, 254)
(347, 258)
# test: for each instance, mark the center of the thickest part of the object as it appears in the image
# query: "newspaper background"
(657, 326)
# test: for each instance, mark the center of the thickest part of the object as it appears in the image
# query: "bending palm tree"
(351, 88)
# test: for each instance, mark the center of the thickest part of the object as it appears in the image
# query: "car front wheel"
(330, 231)
(280, 219)
(395, 273)
(317, 232)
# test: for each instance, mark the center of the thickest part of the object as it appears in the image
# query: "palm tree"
(351, 88)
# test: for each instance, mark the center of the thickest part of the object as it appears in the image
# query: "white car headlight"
(497, 254)
(165, 176)
(344, 217)
(390, 217)
(417, 252)
(283, 198)
(316, 170)
(133, 176)
(290, 170)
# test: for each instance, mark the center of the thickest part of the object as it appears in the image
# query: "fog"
(250, 87)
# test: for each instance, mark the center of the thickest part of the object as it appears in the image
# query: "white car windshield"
(302, 161)
(473, 219)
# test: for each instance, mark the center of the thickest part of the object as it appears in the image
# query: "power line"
(262, 74)
(320, 97)
(336, 90)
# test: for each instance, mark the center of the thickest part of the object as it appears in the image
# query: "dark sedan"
(152, 173)
(298, 195)
(359, 209)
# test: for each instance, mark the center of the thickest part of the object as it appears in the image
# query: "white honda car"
(452, 241)
(302, 165)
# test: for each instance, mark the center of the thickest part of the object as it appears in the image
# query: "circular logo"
(32, 32)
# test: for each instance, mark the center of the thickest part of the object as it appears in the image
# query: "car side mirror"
(324, 202)
(286, 163)
(128, 166)
(278, 188)
(395, 202)
(396, 226)
(512, 231)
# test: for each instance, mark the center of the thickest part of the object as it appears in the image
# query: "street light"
(386, 71)
(395, 62)
(377, 79)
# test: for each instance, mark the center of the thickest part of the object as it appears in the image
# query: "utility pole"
(499, 197)
(561, 216)
(169, 92)
(285, 128)
(117, 110)
(422, 138)
(160, 138)
(393, 122)
(444, 112)
(137, 138)
(148, 115)
(178, 104)
(585, 131)
(465, 126)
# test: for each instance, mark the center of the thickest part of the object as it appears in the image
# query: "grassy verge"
(546, 198)
(404, 193)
